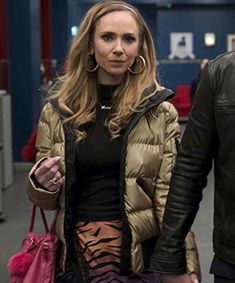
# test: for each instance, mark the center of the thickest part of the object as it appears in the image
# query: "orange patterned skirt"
(100, 246)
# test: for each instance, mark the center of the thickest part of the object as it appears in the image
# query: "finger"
(194, 278)
(53, 183)
(48, 169)
(48, 165)
(53, 187)
(43, 176)
(56, 178)
(56, 182)
(55, 159)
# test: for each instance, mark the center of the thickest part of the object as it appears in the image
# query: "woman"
(106, 146)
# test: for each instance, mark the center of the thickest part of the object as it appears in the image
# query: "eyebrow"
(111, 32)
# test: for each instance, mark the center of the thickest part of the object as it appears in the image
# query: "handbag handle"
(32, 220)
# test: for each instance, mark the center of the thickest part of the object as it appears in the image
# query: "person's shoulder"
(49, 110)
(219, 68)
(166, 108)
(48, 107)
(223, 60)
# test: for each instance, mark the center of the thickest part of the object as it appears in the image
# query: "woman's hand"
(183, 278)
(194, 277)
(48, 174)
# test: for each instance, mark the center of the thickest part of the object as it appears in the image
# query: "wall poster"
(230, 42)
(181, 45)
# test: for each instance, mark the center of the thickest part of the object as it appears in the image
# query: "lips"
(117, 62)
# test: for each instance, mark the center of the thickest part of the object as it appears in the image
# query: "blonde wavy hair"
(77, 95)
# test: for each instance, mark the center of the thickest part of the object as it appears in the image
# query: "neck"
(105, 78)
(105, 96)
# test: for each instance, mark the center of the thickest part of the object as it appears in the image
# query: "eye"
(129, 38)
(107, 37)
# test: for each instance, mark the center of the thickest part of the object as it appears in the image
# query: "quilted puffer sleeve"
(44, 144)
(169, 152)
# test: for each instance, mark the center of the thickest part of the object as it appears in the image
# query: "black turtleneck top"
(97, 167)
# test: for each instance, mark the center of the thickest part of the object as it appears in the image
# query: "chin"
(111, 74)
(117, 72)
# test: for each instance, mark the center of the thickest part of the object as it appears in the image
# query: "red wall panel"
(46, 37)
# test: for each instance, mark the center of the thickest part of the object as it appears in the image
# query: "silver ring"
(55, 181)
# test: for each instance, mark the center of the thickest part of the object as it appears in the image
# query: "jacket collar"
(154, 100)
(158, 97)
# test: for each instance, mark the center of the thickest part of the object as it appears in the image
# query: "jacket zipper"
(126, 239)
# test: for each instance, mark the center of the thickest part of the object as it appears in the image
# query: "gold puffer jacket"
(148, 155)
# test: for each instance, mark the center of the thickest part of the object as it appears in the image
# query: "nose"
(118, 49)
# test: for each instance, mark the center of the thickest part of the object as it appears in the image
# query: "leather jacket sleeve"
(162, 185)
(189, 177)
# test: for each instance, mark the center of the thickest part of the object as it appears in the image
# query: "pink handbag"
(36, 261)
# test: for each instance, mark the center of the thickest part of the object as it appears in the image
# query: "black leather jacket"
(209, 136)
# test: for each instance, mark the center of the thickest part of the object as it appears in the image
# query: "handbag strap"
(32, 220)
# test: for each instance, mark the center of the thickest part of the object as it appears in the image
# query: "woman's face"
(115, 45)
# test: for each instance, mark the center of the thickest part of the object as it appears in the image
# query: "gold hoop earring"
(138, 65)
(92, 65)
